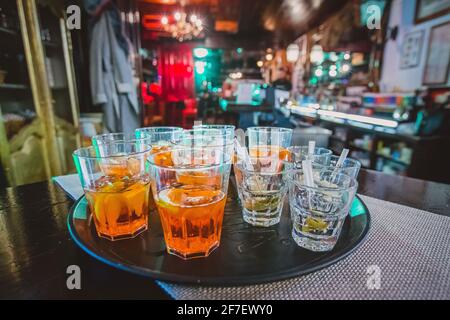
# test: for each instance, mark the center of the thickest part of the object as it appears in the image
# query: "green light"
(357, 208)
(239, 50)
(223, 103)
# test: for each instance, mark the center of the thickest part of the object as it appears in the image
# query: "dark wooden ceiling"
(261, 23)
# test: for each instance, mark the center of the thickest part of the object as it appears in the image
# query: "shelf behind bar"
(14, 86)
(8, 31)
(388, 158)
(353, 146)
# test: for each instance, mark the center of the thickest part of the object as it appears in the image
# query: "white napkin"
(71, 185)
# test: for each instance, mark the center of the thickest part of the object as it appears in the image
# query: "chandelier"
(182, 27)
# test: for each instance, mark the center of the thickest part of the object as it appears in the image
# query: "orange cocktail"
(191, 216)
(263, 156)
(190, 195)
(117, 187)
(283, 154)
(119, 206)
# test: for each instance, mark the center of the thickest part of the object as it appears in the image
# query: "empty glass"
(190, 196)
(319, 212)
(116, 186)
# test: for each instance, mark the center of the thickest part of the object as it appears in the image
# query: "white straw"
(274, 161)
(339, 164)
(308, 173)
(243, 154)
(309, 180)
(311, 147)
(240, 136)
(342, 158)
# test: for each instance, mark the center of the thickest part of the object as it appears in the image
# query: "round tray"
(246, 255)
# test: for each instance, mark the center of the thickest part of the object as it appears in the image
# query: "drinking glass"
(190, 196)
(263, 136)
(262, 187)
(225, 128)
(320, 155)
(349, 167)
(111, 137)
(265, 141)
(116, 186)
(218, 139)
(159, 137)
(319, 212)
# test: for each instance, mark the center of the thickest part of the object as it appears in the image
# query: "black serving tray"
(247, 254)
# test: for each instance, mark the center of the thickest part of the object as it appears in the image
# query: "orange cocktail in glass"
(260, 153)
(266, 145)
(119, 206)
(161, 139)
(191, 216)
(117, 186)
(190, 196)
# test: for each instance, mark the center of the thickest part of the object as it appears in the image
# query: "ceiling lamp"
(292, 53)
(317, 55)
(236, 75)
(346, 67)
(183, 27)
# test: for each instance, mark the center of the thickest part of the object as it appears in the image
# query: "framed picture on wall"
(438, 58)
(412, 50)
(430, 9)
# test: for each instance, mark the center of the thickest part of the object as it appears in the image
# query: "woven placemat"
(405, 256)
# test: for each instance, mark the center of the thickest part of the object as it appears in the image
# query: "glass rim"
(198, 167)
(179, 145)
(328, 151)
(240, 166)
(214, 126)
(353, 180)
(187, 136)
(166, 129)
(279, 129)
(199, 129)
(353, 160)
(77, 154)
(355, 164)
(98, 136)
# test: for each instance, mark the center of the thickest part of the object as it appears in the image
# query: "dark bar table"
(36, 249)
